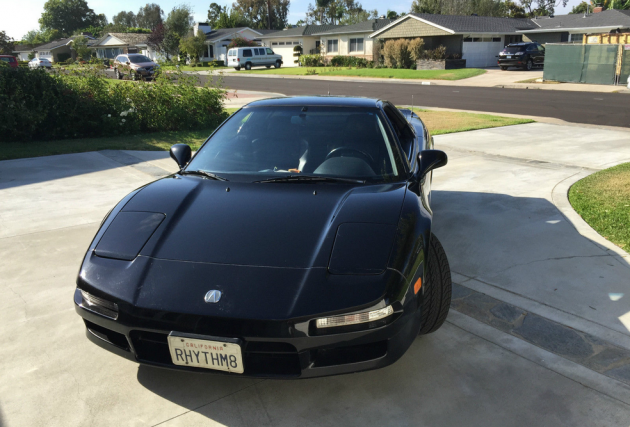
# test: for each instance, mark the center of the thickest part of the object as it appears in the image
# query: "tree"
(427, 6)
(79, 44)
(231, 18)
(150, 16)
(343, 12)
(67, 16)
(256, 12)
(391, 14)
(35, 37)
(171, 43)
(541, 7)
(156, 39)
(514, 10)
(194, 46)
(7, 44)
(180, 19)
(127, 19)
(214, 11)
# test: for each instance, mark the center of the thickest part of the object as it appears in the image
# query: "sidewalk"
(493, 77)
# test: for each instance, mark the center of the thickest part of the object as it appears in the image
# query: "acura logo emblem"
(212, 296)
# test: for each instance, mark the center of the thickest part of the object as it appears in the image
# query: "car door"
(271, 56)
(262, 56)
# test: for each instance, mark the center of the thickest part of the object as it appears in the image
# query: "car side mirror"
(181, 153)
(429, 160)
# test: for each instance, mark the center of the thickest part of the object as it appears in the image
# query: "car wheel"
(268, 66)
(504, 68)
(529, 65)
(278, 64)
(248, 66)
(132, 75)
(237, 68)
(117, 74)
(438, 289)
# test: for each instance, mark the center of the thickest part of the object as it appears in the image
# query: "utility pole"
(269, 14)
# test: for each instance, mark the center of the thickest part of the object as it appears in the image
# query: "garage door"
(286, 51)
(481, 52)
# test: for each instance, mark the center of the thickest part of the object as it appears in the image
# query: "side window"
(269, 51)
(261, 51)
(247, 53)
(403, 131)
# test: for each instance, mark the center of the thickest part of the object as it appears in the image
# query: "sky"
(20, 16)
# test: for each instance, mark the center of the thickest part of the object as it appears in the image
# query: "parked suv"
(248, 57)
(135, 65)
(9, 60)
(522, 55)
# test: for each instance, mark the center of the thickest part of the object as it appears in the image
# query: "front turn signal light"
(353, 319)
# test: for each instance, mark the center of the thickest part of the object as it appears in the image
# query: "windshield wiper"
(204, 173)
(307, 178)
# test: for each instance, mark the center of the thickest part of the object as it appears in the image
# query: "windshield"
(139, 59)
(268, 142)
(514, 49)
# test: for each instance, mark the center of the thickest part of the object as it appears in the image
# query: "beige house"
(351, 40)
(283, 42)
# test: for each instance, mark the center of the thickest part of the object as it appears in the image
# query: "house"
(283, 42)
(218, 40)
(352, 40)
(477, 38)
(113, 44)
(22, 51)
(572, 28)
(59, 50)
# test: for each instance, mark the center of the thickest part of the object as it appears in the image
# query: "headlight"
(99, 305)
(519, 53)
(353, 319)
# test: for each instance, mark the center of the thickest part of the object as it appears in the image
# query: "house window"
(274, 43)
(333, 45)
(356, 45)
(496, 39)
(211, 51)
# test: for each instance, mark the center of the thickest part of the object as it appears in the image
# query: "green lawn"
(383, 73)
(438, 122)
(603, 201)
(442, 122)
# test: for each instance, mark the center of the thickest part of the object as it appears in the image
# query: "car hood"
(255, 224)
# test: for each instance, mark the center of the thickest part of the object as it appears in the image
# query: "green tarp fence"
(581, 63)
(625, 67)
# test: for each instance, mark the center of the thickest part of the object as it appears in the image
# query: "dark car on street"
(295, 243)
(522, 55)
(136, 66)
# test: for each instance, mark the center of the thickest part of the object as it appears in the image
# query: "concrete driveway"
(538, 333)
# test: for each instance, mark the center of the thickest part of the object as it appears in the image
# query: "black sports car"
(295, 243)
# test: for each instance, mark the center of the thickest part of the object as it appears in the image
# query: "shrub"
(311, 61)
(239, 41)
(349, 61)
(437, 54)
(36, 105)
(402, 53)
(69, 61)
(311, 71)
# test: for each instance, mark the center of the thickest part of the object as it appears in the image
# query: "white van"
(248, 57)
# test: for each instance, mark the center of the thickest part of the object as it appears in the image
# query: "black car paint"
(272, 261)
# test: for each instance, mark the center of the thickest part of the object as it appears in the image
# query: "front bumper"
(271, 349)
(514, 62)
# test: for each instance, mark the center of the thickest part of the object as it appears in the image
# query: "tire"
(117, 74)
(237, 68)
(268, 66)
(278, 64)
(132, 76)
(437, 289)
(529, 65)
(504, 68)
(248, 66)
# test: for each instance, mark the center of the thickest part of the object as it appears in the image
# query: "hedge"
(36, 105)
(349, 61)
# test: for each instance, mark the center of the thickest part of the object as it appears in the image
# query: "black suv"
(522, 55)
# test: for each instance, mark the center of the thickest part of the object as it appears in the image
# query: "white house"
(113, 44)
(218, 40)
(21, 51)
(283, 42)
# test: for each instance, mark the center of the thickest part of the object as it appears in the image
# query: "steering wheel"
(340, 151)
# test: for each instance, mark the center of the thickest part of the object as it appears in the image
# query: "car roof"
(301, 101)
(521, 43)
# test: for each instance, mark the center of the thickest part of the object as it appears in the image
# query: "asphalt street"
(610, 109)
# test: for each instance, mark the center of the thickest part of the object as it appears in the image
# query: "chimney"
(597, 9)
(203, 26)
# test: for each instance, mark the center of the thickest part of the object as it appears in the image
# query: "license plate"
(204, 353)
(508, 57)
